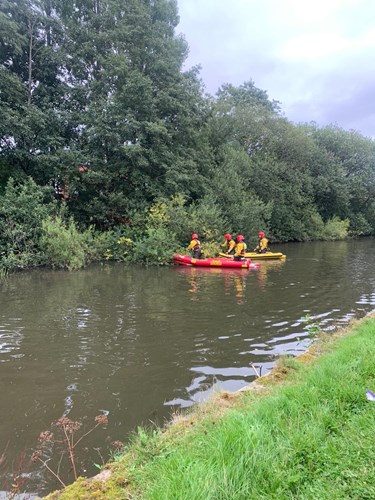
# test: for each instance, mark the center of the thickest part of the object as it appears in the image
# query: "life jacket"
(263, 243)
(242, 248)
(229, 243)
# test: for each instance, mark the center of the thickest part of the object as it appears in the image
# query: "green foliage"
(113, 245)
(5, 174)
(62, 245)
(101, 83)
(359, 225)
(207, 219)
(22, 212)
(369, 222)
(289, 188)
(335, 229)
(231, 187)
(210, 249)
(247, 95)
(141, 116)
(265, 162)
(287, 362)
(158, 243)
(158, 215)
(314, 226)
(179, 221)
(34, 119)
(313, 328)
(156, 247)
(345, 171)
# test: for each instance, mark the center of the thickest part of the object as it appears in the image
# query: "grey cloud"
(238, 41)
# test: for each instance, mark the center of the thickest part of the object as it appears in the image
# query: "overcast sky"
(317, 57)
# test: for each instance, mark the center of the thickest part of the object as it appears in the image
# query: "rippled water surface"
(138, 344)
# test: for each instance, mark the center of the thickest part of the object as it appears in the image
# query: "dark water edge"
(138, 344)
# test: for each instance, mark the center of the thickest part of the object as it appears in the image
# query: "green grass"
(308, 436)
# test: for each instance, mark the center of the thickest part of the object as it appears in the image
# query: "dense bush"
(23, 209)
(179, 219)
(315, 227)
(359, 225)
(63, 246)
(113, 245)
(232, 188)
(335, 229)
(155, 247)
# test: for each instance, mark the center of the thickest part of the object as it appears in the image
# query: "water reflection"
(200, 280)
(266, 268)
(11, 338)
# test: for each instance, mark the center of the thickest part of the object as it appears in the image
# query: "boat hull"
(258, 256)
(185, 260)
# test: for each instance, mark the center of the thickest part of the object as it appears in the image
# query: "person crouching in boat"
(195, 247)
(229, 244)
(262, 246)
(240, 248)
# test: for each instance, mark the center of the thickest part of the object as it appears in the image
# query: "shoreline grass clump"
(306, 433)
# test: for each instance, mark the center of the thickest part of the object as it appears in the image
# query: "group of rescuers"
(230, 246)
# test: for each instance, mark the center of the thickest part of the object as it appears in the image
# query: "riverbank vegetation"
(110, 149)
(304, 431)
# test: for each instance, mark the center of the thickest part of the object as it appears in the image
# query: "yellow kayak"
(258, 256)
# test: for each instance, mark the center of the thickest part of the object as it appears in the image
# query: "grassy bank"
(305, 431)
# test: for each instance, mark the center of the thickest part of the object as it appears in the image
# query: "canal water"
(139, 344)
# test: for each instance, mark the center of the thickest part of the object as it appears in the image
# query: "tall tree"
(35, 130)
(100, 83)
(278, 154)
(140, 117)
(344, 176)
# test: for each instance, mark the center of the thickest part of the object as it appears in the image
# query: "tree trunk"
(30, 62)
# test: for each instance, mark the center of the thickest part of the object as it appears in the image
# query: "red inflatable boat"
(214, 262)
